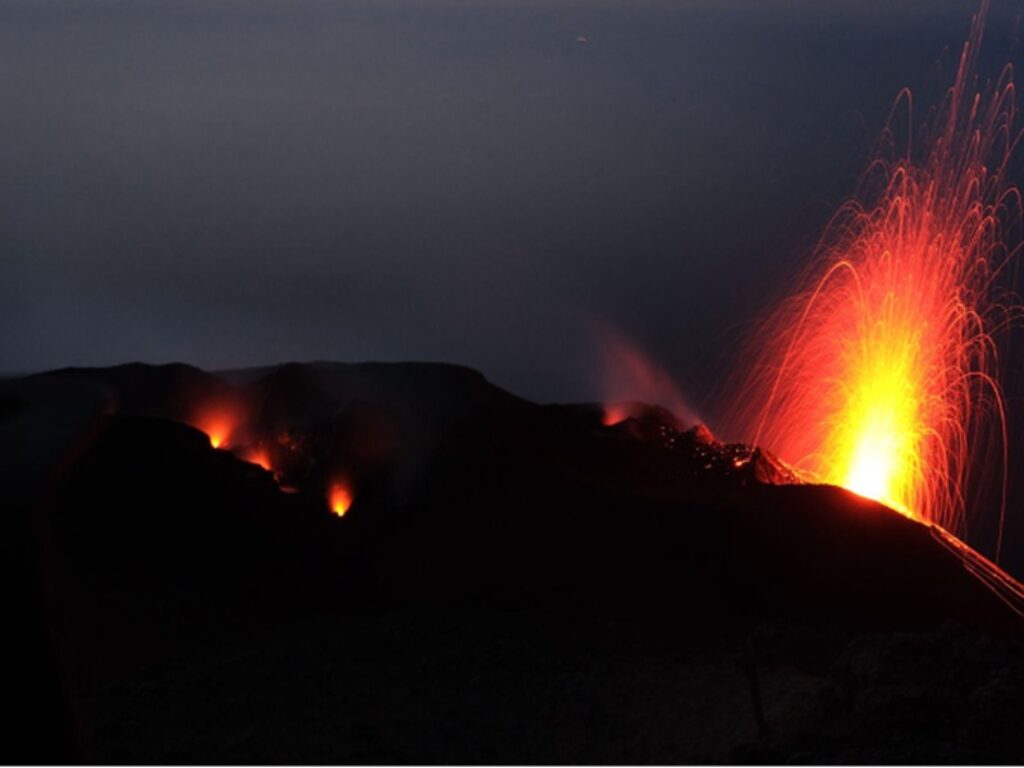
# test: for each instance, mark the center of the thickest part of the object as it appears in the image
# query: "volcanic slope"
(512, 583)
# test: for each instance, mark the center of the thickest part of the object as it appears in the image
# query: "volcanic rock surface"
(513, 583)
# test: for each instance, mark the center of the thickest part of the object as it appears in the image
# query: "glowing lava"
(260, 458)
(881, 375)
(614, 413)
(339, 498)
(218, 427)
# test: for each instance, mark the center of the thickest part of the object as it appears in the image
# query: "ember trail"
(881, 374)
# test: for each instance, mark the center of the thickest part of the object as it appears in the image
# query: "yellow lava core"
(339, 499)
(876, 441)
(880, 374)
(218, 424)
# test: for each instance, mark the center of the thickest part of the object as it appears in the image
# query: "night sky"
(233, 183)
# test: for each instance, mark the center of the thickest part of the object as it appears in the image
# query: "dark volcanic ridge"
(467, 501)
(439, 451)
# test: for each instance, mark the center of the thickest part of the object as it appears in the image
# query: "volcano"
(507, 582)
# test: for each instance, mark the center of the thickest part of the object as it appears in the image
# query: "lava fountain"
(880, 375)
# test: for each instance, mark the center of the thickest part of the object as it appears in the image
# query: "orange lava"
(339, 498)
(260, 458)
(880, 375)
(218, 426)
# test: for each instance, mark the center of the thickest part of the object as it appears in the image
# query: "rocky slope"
(512, 583)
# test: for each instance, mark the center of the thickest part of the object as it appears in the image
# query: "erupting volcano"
(881, 376)
(328, 546)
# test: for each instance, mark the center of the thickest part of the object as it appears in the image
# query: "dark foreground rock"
(513, 583)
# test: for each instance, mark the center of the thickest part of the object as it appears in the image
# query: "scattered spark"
(881, 376)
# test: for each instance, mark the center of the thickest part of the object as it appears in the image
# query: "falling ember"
(881, 376)
(339, 499)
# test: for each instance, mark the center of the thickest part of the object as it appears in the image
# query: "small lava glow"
(218, 427)
(339, 499)
(614, 413)
(629, 377)
(260, 458)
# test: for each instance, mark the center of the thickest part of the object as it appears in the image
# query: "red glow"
(630, 375)
(260, 458)
(614, 413)
(218, 424)
(880, 375)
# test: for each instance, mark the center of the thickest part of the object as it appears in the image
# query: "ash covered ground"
(513, 583)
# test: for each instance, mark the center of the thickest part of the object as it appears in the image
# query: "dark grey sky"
(240, 182)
